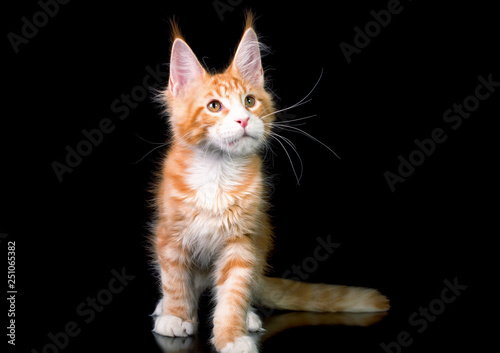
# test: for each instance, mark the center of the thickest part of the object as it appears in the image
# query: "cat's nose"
(243, 122)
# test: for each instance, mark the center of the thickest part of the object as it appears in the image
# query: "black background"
(437, 225)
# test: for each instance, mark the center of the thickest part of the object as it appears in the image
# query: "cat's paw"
(254, 323)
(243, 344)
(173, 326)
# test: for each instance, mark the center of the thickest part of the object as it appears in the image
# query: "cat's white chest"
(212, 177)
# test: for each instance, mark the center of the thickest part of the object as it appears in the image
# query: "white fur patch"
(173, 326)
(212, 175)
(243, 344)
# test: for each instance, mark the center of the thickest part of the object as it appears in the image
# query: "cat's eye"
(249, 101)
(214, 106)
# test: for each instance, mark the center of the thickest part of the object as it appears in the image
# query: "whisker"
(289, 158)
(152, 143)
(284, 109)
(281, 122)
(280, 127)
(181, 138)
(147, 154)
(299, 103)
(297, 130)
(268, 146)
(290, 143)
(317, 82)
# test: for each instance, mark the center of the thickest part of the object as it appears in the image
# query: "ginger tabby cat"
(212, 227)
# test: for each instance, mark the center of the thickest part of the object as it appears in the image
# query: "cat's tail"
(280, 293)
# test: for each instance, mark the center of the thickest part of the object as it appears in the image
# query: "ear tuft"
(249, 19)
(247, 60)
(184, 67)
(175, 30)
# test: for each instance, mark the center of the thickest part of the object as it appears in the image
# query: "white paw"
(243, 344)
(173, 326)
(254, 323)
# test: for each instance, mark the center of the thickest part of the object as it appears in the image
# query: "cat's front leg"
(176, 311)
(235, 273)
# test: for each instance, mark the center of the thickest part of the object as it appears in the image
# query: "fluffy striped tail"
(285, 294)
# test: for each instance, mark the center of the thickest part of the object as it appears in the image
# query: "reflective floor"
(273, 326)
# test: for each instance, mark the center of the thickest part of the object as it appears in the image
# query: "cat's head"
(229, 111)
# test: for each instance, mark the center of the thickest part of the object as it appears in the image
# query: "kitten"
(212, 228)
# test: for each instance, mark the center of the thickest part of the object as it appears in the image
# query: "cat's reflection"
(273, 326)
(279, 323)
(181, 344)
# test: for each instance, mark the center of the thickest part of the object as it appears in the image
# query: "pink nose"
(243, 122)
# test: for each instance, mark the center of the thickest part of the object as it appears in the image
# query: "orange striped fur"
(212, 228)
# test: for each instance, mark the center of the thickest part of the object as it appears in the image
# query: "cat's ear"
(247, 60)
(184, 67)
